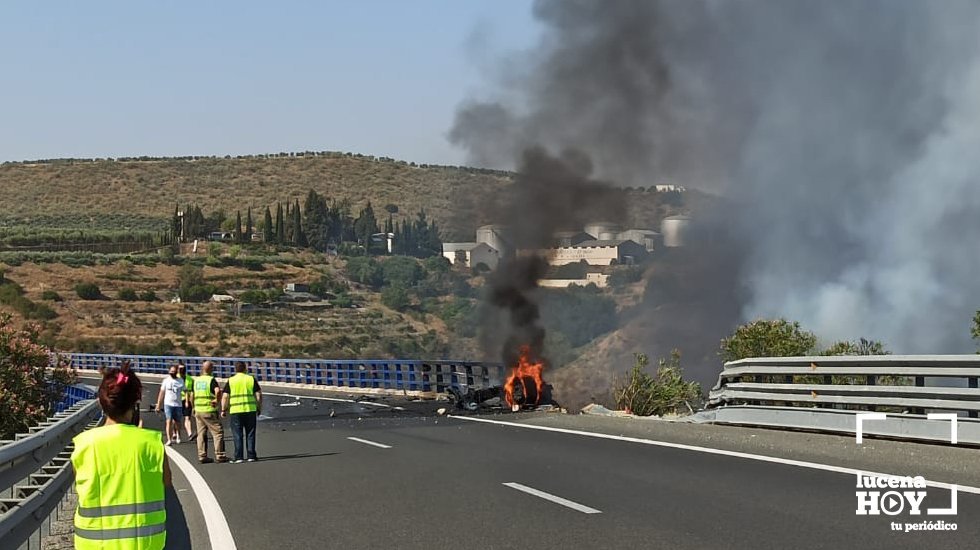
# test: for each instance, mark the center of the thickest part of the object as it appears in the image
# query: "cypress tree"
(238, 226)
(175, 225)
(249, 228)
(268, 234)
(280, 228)
(298, 238)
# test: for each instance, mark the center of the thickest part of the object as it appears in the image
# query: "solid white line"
(722, 452)
(218, 532)
(366, 442)
(557, 500)
(337, 399)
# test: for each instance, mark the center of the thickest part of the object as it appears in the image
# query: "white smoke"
(844, 133)
(917, 283)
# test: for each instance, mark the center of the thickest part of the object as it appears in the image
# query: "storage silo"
(674, 230)
(497, 236)
(603, 231)
(651, 240)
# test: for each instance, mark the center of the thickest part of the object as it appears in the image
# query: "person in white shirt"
(171, 398)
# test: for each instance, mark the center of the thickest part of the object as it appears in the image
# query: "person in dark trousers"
(242, 399)
(206, 395)
(188, 401)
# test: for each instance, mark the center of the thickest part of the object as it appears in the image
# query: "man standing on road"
(242, 398)
(206, 394)
(171, 389)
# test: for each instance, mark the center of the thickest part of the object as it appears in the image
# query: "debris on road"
(596, 409)
(471, 400)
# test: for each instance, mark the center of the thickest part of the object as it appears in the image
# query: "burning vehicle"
(523, 388)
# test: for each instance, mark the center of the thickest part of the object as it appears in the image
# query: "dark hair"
(239, 366)
(119, 392)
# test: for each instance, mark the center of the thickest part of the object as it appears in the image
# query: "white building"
(597, 253)
(497, 237)
(600, 280)
(471, 254)
(651, 240)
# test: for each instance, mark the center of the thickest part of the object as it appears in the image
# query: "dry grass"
(212, 328)
(106, 194)
(84, 191)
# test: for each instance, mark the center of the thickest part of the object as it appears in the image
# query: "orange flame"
(526, 371)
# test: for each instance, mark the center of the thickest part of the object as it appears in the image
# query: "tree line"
(319, 224)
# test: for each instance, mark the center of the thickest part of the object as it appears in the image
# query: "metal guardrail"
(824, 393)
(409, 375)
(35, 468)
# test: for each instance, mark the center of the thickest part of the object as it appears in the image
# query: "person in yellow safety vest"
(121, 475)
(242, 398)
(188, 402)
(206, 395)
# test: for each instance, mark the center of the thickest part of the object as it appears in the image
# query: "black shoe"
(206, 460)
(222, 460)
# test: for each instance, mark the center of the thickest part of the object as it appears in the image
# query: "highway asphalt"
(411, 479)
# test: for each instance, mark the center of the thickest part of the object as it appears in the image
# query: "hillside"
(127, 194)
(435, 314)
(162, 327)
(89, 193)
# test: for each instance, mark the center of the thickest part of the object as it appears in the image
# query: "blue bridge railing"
(389, 374)
(72, 395)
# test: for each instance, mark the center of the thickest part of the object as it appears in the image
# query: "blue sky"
(123, 78)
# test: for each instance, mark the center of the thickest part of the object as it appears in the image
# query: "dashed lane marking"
(550, 497)
(372, 443)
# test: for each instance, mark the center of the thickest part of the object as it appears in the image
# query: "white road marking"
(722, 452)
(337, 399)
(218, 532)
(366, 442)
(557, 500)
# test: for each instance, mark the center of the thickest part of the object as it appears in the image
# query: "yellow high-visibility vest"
(119, 480)
(241, 396)
(202, 395)
(188, 386)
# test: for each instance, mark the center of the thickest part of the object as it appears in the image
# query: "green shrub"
(148, 296)
(12, 295)
(343, 300)
(460, 315)
(437, 264)
(644, 394)
(197, 293)
(767, 338)
(975, 329)
(623, 276)
(254, 297)
(127, 295)
(365, 270)
(51, 295)
(581, 314)
(575, 270)
(30, 386)
(88, 291)
(395, 297)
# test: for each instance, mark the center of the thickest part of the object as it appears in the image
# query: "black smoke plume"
(550, 194)
(844, 135)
